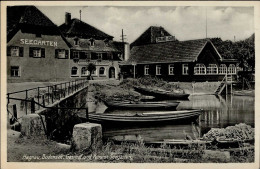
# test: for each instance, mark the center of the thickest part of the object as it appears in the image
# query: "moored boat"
(162, 94)
(244, 93)
(141, 105)
(146, 118)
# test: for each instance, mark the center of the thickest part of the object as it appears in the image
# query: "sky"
(183, 22)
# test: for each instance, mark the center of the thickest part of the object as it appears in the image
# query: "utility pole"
(206, 23)
(80, 15)
(123, 38)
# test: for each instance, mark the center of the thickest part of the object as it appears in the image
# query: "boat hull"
(147, 118)
(141, 105)
(162, 95)
(244, 93)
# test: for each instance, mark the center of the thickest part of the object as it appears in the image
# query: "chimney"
(67, 18)
(127, 51)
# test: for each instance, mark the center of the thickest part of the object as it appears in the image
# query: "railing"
(45, 95)
(33, 103)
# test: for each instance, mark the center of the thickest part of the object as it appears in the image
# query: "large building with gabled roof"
(90, 45)
(173, 60)
(36, 49)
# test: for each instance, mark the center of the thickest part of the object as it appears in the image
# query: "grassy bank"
(24, 149)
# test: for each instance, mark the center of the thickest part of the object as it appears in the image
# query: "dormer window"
(106, 42)
(76, 41)
(92, 41)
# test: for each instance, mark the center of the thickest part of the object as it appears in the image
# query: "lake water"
(219, 112)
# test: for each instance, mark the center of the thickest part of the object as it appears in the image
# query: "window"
(199, 69)
(185, 69)
(92, 42)
(102, 71)
(171, 69)
(61, 53)
(158, 69)
(212, 69)
(99, 56)
(75, 55)
(222, 69)
(15, 72)
(84, 71)
(106, 42)
(36, 52)
(146, 70)
(74, 71)
(15, 51)
(232, 69)
(84, 55)
(94, 56)
(76, 41)
(110, 56)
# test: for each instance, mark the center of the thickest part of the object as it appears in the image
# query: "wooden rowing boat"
(141, 105)
(146, 118)
(244, 93)
(162, 94)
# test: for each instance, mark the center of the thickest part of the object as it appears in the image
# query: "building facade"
(193, 60)
(90, 45)
(36, 50)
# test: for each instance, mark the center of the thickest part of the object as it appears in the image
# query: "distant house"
(192, 60)
(151, 35)
(36, 50)
(90, 45)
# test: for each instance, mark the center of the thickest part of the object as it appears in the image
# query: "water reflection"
(218, 112)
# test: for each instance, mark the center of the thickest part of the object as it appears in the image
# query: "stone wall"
(59, 123)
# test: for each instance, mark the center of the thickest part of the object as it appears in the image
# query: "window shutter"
(42, 52)
(21, 51)
(66, 54)
(30, 52)
(56, 53)
(9, 50)
(71, 54)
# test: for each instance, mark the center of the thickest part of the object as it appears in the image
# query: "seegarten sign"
(38, 42)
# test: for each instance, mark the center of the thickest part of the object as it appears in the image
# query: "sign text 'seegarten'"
(38, 42)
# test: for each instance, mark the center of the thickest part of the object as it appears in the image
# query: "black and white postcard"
(129, 84)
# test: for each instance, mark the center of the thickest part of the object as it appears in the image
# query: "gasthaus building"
(36, 50)
(90, 45)
(165, 57)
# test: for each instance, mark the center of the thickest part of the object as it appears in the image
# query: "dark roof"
(77, 28)
(29, 19)
(100, 45)
(149, 36)
(175, 51)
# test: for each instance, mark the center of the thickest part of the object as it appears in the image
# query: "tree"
(243, 51)
(91, 67)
